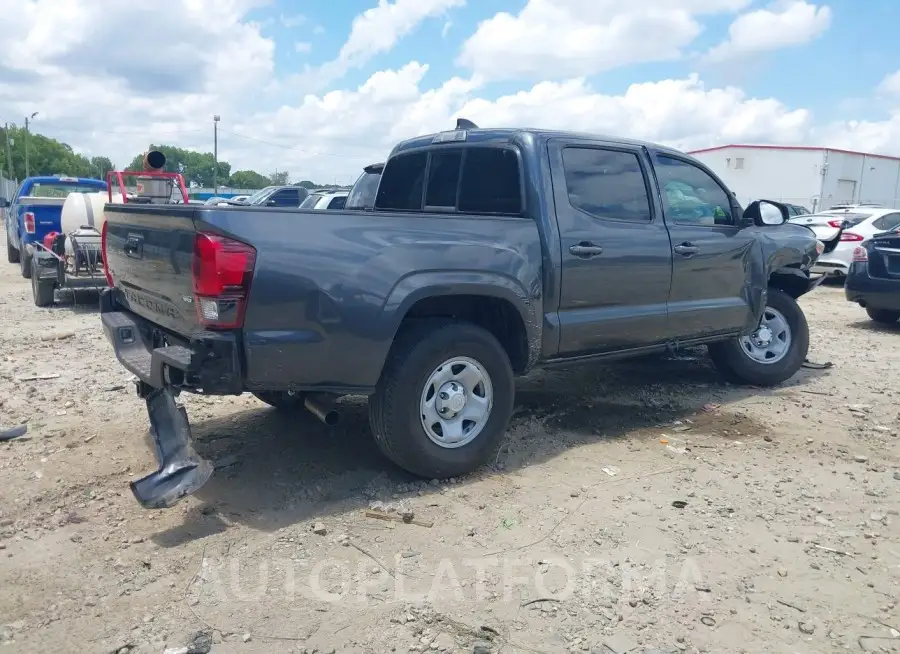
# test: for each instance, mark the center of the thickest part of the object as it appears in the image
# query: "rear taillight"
(106, 270)
(28, 219)
(223, 269)
(851, 236)
(835, 223)
(860, 255)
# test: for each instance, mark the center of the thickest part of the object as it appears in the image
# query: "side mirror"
(271, 203)
(765, 213)
(4, 203)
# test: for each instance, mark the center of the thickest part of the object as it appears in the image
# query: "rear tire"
(25, 264)
(734, 359)
(42, 291)
(883, 316)
(12, 254)
(281, 399)
(479, 373)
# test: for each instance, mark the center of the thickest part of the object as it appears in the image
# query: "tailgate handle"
(134, 247)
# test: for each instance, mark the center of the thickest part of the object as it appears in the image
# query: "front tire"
(883, 316)
(444, 400)
(773, 353)
(42, 291)
(12, 254)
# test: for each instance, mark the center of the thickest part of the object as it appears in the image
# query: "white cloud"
(378, 30)
(294, 21)
(557, 39)
(890, 85)
(782, 25)
(446, 29)
(303, 46)
(116, 106)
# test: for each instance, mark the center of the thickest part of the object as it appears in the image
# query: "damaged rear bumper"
(162, 371)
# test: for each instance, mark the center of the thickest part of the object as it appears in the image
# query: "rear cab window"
(60, 190)
(471, 179)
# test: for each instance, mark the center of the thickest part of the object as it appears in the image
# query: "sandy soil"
(638, 507)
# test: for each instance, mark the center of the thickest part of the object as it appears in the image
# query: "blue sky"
(846, 62)
(687, 73)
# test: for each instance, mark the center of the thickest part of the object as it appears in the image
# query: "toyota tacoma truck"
(487, 252)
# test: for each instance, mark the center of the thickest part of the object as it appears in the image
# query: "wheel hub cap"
(763, 336)
(451, 399)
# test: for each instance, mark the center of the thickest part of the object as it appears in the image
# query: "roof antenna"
(464, 123)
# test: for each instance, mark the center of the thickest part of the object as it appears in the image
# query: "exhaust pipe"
(322, 407)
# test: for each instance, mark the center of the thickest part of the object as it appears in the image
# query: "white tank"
(85, 211)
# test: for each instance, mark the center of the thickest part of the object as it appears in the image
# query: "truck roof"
(511, 134)
(63, 179)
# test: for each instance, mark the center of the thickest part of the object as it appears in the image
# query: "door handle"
(686, 249)
(586, 249)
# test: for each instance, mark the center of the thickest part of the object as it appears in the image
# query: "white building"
(816, 178)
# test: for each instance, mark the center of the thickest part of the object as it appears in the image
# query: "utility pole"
(9, 162)
(216, 155)
(27, 170)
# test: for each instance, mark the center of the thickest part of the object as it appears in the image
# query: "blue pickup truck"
(35, 211)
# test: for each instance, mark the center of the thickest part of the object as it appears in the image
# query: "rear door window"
(337, 202)
(606, 184)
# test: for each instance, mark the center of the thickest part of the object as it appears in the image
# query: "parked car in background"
(860, 224)
(216, 200)
(320, 200)
(285, 197)
(36, 210)
(238, 198)
(480, 260)
(873, 281)
(797, 210)
(362, 195)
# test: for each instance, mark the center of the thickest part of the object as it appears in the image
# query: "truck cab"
(35, 211)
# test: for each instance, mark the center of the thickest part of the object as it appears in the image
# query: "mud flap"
(181, 470)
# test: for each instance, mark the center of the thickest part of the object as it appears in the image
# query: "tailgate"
(47, 213)
(149, 252)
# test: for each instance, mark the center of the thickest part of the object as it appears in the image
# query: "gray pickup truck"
(488, 252)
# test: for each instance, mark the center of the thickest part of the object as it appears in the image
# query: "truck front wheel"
(771, 354)
(42, 291)
(444, 399)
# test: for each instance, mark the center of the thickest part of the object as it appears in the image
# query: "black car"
(873, 281)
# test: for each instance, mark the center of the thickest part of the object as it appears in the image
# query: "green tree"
(101, 166)
(247, 179)
(279, 177)
(308, 185)
(197, 167)
(46, 156)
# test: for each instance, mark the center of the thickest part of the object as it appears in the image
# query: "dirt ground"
(637, 507)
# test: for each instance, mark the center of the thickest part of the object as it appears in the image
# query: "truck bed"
(327, 292)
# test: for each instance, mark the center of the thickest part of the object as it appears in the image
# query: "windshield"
(362, 195)
(259, 195)
(61, 190)
(310, 201)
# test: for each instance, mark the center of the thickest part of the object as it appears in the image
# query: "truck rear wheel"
(883, 316)
(25, 263)
(12, 254)
(444, 399)
(771, 354)
(42, 291)
(281, 399)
